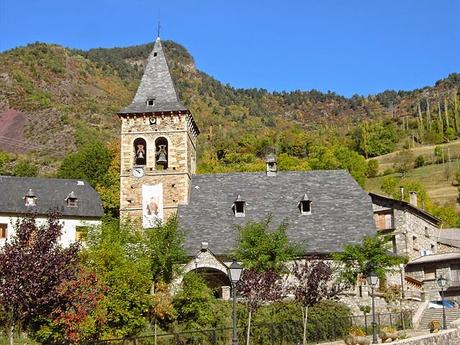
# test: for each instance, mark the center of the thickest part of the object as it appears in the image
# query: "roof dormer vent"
(239, 206)
(71, 200)
(271, 165)
(30, 198)
(304, 205)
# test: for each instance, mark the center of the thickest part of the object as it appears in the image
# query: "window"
(304, 205)
(30, 198)
(3, 231)
(155, 54)
(161, 153)
(71, 200)
(140, 151)
(80, 233)
(151, 102)
(384, 220)
(239, 207)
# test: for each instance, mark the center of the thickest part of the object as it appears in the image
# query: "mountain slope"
(55, 99)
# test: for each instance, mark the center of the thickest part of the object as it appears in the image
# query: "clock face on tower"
(138, 172)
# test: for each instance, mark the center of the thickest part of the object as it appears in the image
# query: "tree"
(257, 288)
(165, 250)
(32, 267)
(372, 255)
(194, 303)
(90, 163)
(404, 162)
(118, 255)
(372, 168)
(376, 138)
(312, 284)
(4, 160)
(25, 168)
(260, 249)
(80, 316)
(109, 185)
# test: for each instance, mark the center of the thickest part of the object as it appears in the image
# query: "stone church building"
(323, 209)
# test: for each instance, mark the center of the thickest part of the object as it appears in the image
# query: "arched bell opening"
(161, 153)
(215, 280)
(140, 151)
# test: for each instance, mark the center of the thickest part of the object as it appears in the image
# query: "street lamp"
(234, 273)
(373, 280)
(442, 282)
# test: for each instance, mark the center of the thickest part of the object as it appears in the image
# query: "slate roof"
(341, 211)
(51, 193)
(382, 199)
(156, 84)
(435, 258)
(450, 237)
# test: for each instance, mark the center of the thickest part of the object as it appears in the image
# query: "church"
(323, 209)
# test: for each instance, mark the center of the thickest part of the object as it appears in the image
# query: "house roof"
(341, 212)
(435, 258)
(405, 205)
(450, 237)
(50, 193)
(156, 85)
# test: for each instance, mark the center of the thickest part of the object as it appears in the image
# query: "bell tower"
(158, 146)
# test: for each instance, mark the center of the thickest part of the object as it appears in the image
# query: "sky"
(348, 47)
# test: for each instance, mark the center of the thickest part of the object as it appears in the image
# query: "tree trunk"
(446, 113)
(305, 318)
(10, 335)
(249, 326)
(155, 333)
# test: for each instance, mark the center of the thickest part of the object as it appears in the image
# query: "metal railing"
(286, 333)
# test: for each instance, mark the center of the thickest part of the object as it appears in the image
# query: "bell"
(162, 158)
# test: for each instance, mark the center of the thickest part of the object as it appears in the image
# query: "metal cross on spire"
(158, 29)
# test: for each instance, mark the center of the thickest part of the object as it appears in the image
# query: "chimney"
(413, 198)
(271, 165)
(401, 189)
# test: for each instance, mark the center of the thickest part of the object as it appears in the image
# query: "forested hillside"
(55, 101)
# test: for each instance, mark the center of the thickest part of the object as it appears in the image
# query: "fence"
(286, 333)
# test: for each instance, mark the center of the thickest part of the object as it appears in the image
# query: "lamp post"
(234, 273)
(442, 282)
(373, 280)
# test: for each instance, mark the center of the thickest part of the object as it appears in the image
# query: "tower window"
(71, 200)
(140, 152)
(151, 101)
(161, 153)
(304, 205)
(239, 206)
(155, 54)
(30, 198)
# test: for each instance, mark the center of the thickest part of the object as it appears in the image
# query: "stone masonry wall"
(176, 179)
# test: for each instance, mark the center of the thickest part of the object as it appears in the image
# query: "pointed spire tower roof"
(156, 92)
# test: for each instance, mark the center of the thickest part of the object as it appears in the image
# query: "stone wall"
(447, 337)
(179, 132)
(412, 231)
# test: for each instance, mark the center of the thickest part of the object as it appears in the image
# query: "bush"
(419, 161)
(372, 168)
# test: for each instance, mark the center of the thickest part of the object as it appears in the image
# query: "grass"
(439, 186)
(452, 148)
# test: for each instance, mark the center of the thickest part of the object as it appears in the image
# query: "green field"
(440, 187)
(451, 149)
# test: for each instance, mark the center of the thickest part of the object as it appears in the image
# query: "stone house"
(413, 231)
(431, 250)
(77, 202)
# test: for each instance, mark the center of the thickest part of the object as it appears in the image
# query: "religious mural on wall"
(152, 205)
